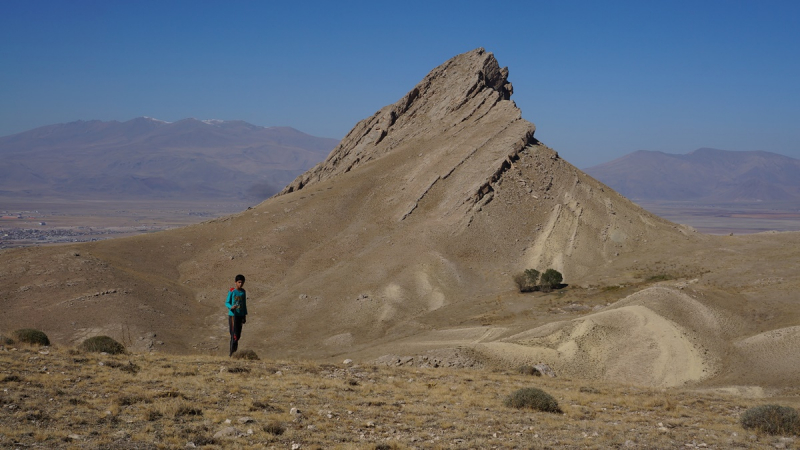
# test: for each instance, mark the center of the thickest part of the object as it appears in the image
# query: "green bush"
(772, 419)
(551, 279)
(246, 354)
(31, 336)
(98, 344)
(527, 280)
(533, 398)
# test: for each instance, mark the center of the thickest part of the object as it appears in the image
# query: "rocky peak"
(465, 88)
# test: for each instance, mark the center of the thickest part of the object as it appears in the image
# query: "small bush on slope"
(527, 280)
(533, 398)
(98, 344)
(246, 354)
(772, 419)
(31, 336)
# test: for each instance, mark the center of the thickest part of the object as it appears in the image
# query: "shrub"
(275, 428)
(772, 419)
(31, 336)
(99, 344)
(551, 279)
(529, 370)
(246, 354)
(533, 398)
(5, 340)
(527, 280)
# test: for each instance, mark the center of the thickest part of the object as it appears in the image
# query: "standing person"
(237, 311)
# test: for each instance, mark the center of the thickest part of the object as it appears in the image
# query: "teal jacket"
(237, 297)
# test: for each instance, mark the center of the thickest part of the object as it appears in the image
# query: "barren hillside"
(404, 242)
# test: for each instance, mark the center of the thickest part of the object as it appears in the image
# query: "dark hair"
(239, 277)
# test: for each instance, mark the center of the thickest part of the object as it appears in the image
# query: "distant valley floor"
(727, 218)
(35, 222)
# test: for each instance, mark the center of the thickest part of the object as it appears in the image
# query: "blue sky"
(600, 79)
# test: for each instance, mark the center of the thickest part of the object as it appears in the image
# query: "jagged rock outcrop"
(465, 88)
(456, 139)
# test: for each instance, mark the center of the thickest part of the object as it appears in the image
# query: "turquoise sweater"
(237, 297)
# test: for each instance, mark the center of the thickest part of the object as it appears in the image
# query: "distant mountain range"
(146, 158)
(704, 175)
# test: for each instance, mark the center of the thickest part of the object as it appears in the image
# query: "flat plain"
(36, 222)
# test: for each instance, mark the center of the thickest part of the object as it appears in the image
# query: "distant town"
(26, 229)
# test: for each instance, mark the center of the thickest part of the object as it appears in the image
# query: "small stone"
(347, 362)
(244, 420)
(226, 432)
(295, 446)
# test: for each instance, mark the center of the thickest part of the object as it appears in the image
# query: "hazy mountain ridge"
(144, 158)
(704, 175)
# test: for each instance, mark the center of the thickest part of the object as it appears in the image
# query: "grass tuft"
(248, 355)
(99, 344)
(529, 370)
(264, 406)
(533, 398)
(31, 336)
(274, 428)
(772, 419)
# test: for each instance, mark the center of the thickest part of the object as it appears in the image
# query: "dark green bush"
(551, 279)
(527, 280)
(772, 419)
(98, 344)
(31, 336)
(246, 354)
(5, 340)
(533, 398)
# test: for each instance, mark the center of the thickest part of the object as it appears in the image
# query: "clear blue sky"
(600, 79)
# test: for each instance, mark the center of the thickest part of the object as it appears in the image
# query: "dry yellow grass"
(62, 398)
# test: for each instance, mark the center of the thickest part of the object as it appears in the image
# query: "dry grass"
(63, 398)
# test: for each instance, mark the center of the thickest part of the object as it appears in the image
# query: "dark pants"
(235, 327)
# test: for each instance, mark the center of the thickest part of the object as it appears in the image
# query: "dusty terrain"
(62, 398)
(404, 241)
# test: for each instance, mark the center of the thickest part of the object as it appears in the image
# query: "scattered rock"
(226, 433)
(545, 370)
